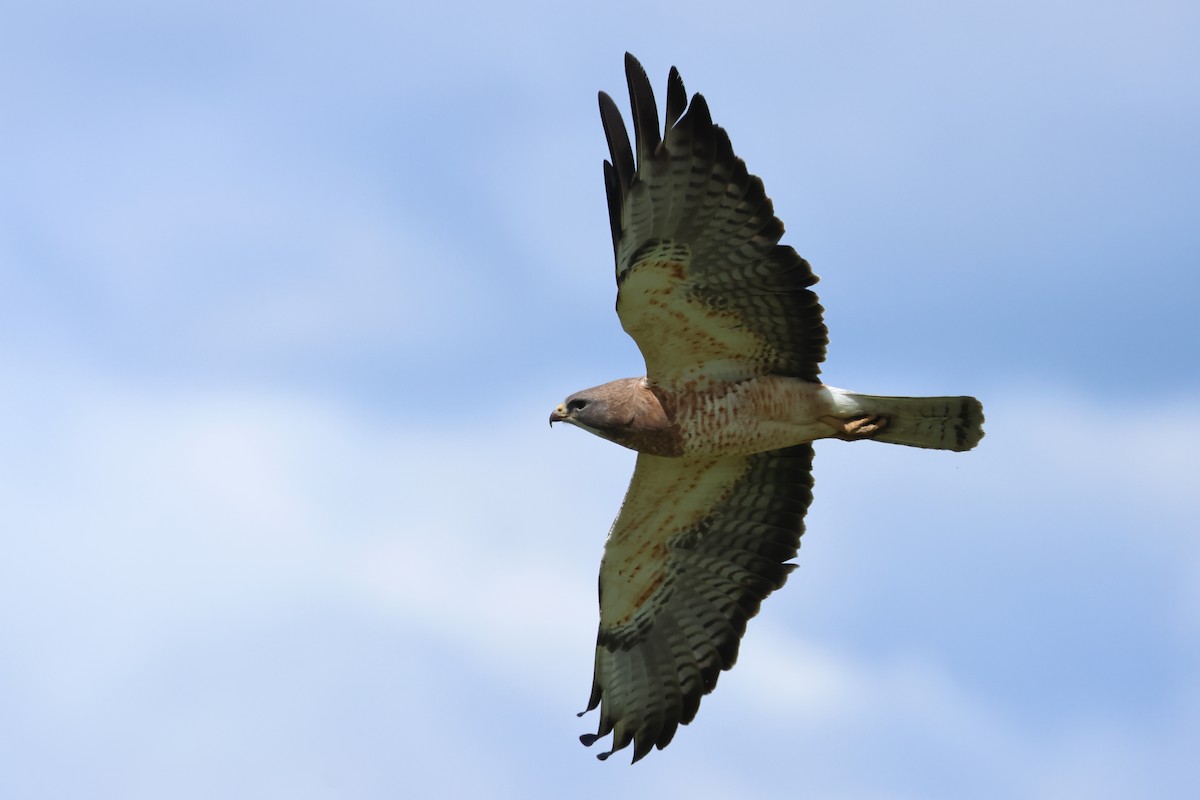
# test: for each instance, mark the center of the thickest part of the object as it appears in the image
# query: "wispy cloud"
(286, 295)
(224, 525)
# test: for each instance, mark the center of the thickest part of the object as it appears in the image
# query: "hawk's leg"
(866, 426)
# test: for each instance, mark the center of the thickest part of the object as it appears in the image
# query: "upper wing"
(704, 288)
(697, 546)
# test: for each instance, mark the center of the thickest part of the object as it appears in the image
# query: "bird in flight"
(723, 421)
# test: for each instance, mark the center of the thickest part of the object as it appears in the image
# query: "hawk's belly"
(754, 416)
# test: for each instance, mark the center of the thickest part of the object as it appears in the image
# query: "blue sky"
(288, 291)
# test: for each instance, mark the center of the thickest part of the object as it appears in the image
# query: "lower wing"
(697, 546)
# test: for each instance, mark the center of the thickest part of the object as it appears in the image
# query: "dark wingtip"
(699, 112)
(619, 148)
(676, 100)
(645, 110)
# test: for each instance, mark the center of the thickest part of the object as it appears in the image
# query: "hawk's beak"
(558, 415)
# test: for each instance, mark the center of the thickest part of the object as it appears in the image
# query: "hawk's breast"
(751, 416)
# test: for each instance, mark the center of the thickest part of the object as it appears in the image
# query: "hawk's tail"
(940, 423)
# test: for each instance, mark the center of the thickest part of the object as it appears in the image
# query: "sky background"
(288, 290)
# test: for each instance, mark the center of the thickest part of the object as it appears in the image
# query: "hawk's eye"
(576, 405)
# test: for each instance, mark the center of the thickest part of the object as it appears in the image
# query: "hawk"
(723, 421)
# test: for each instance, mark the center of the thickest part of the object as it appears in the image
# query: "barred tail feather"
(939, 423)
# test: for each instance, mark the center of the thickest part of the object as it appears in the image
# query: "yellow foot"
(865, 427)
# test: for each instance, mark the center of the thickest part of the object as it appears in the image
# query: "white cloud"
(154, 522)
(272, 592)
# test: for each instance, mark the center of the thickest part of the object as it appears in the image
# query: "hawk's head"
(626, 412)
(591, 410)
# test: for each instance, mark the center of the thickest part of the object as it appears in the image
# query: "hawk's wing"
(704, 288)
(697, 546)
